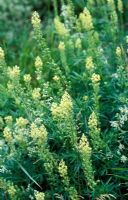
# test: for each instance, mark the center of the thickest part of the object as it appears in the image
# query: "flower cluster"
(36, 94)
(64, 109)
(95, 131)
(21, 122)
(86, 20)
(95, 78)
(85, 153)
(40, 196)
(60, 28)
(1, 54)
(89, 63)
(35, 20)
(14, 72)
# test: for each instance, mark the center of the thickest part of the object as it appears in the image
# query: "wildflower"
(85, 153)
(123, 158)
(61, 46)
(86, 19)
(121, 146)
(94, 131)
(1, 54)
(21, 122)
(56, 78)
(62, 31)
(120, 6)
(7, 135)
(36, 94)
(95, 78)
(118, 51)
(8, 120)
(64, 109)
(14, 72)
(40, 196)
(38, 132)
(89, 63)
(62, 169)
(114, 124)
(38, 63)
(78, 43)
(35, 19)
(27, 78)
(12, 191)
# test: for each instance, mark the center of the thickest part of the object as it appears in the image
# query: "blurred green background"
(15, 26)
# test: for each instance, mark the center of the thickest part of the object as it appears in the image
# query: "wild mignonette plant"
(64, 125)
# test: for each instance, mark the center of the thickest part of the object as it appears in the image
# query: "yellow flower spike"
(38, 132)
(89, 63)
(7, 135)
(14, 72)
(62, 169)
(12, 191)
(61, 46)
(40, 196)
(38, 63)
(93, 122)
(1, 54)
(64, 109)
(21, 122)
(27, 78)
(35, 19)
(86, 20)
(36, 94)
(120, 6)
(60, 27)
(118, 51)
(95, 78)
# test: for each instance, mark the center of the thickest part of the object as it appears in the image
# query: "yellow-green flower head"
(61, 46)
(35, 19)
(8, 120)
(14, 72)
(78, 43)
(56, 78)
(40, 196)
(38, 63)
(86, 19)
(12, 191)
(36, 94)
(93, 122)
(38, 132)
(27, 78)
(120, 6)
(60, 27)
(95, 78)
(7, 135)
(64, 109)
(21, 122)
(84, 145)
(1, 54)
(89, 63)
(62, 169)
(118, 51)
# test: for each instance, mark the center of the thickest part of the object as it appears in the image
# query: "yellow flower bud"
(8, 120)
(86, 19)
(56, 78)
(27, 78)
(7, 135)
(95, 78)
(120, 6)
(89, 63)
(35, 19)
